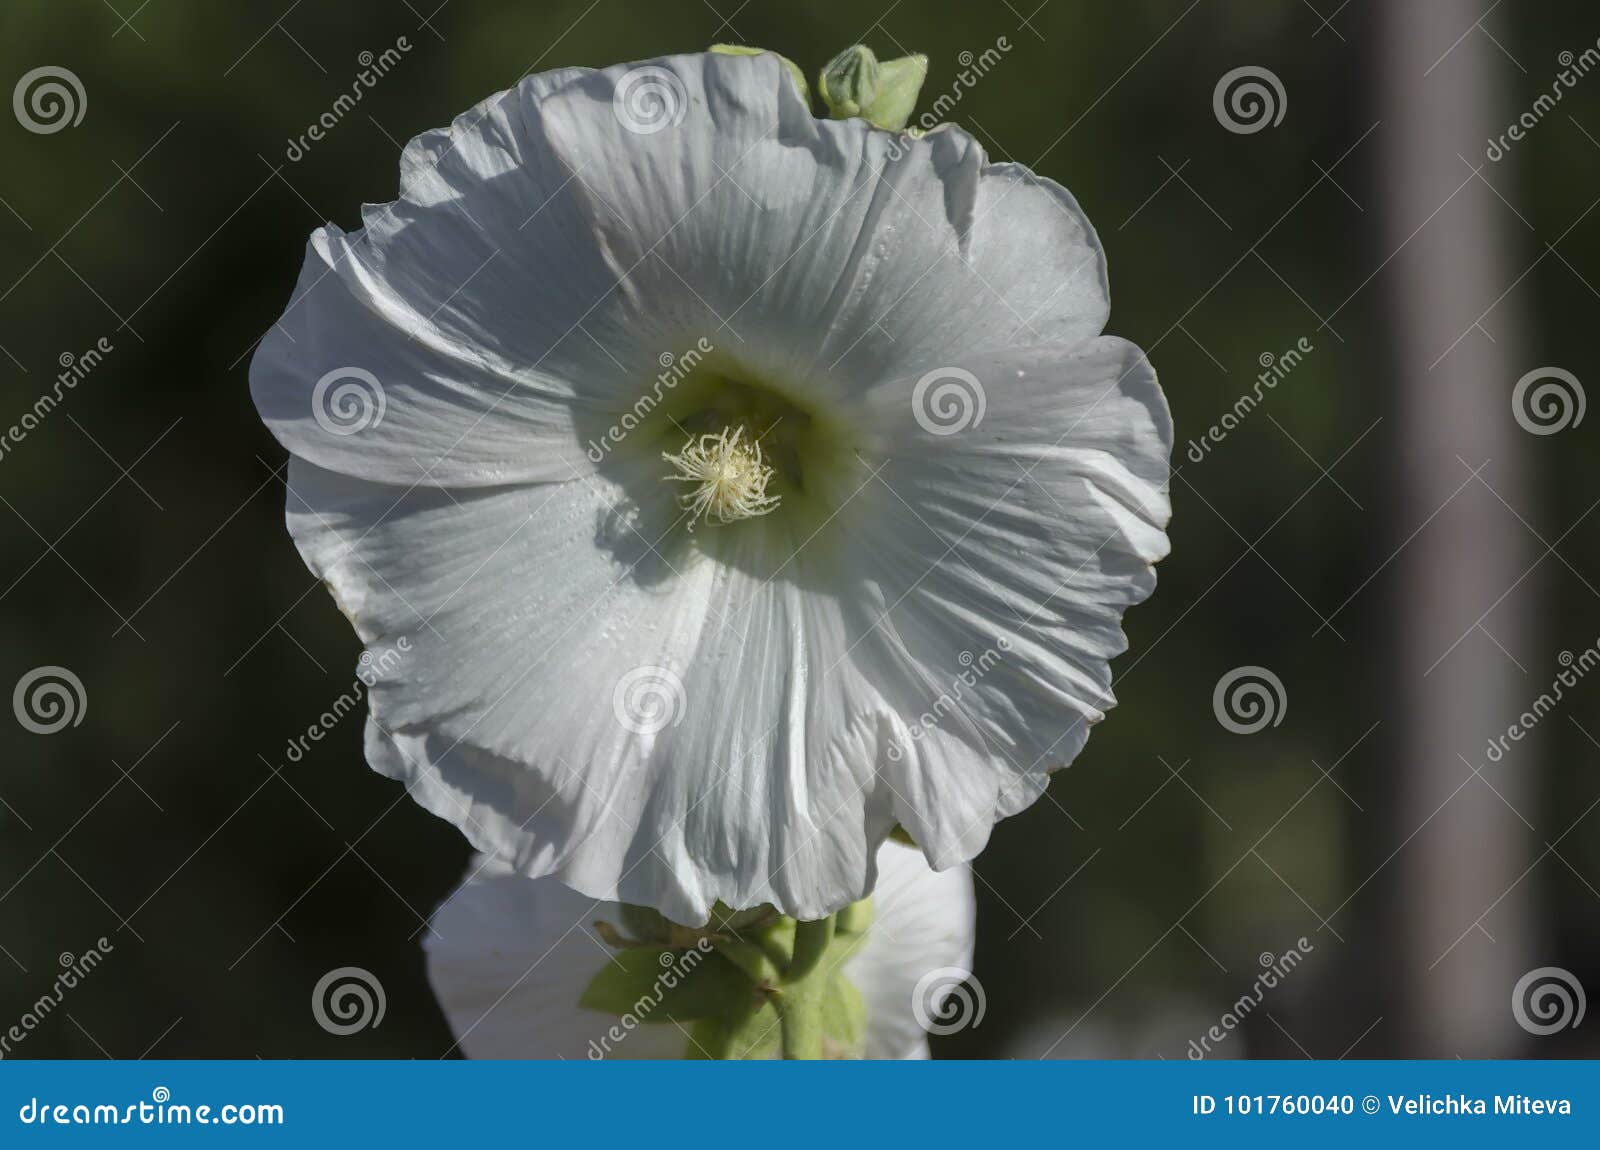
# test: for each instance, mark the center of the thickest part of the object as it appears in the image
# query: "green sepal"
(899, 85)
(775, 989)
(658, 984)
(751, 1033)
(795, 73)
(844, 1020)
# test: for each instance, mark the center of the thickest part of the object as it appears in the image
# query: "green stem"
(757, 965)
(800, 1014)
(811, 940)
(801, 998)
(777, 939)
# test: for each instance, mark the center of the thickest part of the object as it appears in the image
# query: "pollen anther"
(729, 475)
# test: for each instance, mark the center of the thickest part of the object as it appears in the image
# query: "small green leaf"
(752, 1033)
(657, 984)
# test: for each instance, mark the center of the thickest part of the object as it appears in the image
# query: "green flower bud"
(795, 73)
(884, 94)
(849, 83)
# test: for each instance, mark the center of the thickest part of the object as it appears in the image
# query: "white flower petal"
(518, 296)
(885, 251)
(924, 922)
(467, 306)
(1004, 556)
(509, 957)
(755, 787)
(542, 254)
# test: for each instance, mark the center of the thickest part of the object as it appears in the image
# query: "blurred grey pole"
(1447, 232)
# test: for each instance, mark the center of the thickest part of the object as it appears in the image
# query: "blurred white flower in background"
(509, 958)
(512, 511)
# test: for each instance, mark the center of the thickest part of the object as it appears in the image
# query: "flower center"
(728, 474)
(755, 447)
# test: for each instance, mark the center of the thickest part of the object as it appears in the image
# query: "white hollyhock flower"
(857, 557)
(510, 957)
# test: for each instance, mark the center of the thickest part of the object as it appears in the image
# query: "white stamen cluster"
(729, 475)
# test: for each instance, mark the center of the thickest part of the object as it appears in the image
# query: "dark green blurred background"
(143, 544)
